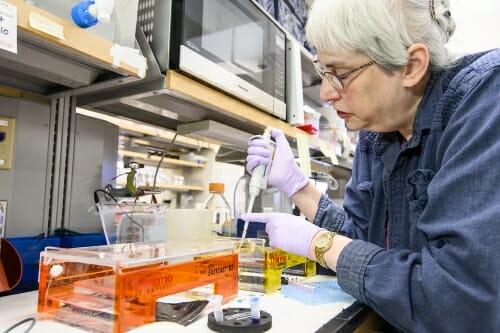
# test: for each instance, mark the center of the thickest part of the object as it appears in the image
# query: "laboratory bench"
(288, 315)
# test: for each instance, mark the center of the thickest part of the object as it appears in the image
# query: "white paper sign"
(8, 27)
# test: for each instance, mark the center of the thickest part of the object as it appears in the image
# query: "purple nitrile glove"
(287, 232)
(284, 173)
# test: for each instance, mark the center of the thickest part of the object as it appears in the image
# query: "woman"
(418, 235)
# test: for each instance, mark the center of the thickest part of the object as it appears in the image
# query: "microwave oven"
(231, 45)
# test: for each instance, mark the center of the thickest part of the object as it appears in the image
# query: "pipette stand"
(238, 320)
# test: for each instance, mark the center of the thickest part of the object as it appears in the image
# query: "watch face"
(323, 240)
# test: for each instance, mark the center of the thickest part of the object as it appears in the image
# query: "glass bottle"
(222, 219)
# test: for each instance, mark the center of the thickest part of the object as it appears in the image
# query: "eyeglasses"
(337, 81)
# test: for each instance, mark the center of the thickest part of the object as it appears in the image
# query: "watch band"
(320, 251)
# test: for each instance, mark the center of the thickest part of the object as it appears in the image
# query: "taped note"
(46, 25)
(8, 27)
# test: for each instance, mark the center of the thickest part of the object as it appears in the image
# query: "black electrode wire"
(157, 169)
(106, 195)
(160, 161)
(30, 319)
(122, 174)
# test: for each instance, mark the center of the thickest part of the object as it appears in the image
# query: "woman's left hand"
(288, 232)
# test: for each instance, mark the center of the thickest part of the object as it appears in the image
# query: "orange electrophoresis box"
(114, 288)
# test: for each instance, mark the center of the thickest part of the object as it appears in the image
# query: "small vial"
(255, 309)
(216, 302)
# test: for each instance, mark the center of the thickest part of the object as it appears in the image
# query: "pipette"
(258, 181)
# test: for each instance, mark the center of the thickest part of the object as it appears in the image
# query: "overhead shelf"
(148, 131)
(46, 64)
(177, 98)
(231, 109)
(180, 188)
(153, 160)
(170, 187)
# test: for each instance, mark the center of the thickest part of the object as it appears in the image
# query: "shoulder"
(472, 79)
(473, 69)
(484, 61)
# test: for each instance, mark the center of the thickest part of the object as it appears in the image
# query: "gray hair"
(382, 29)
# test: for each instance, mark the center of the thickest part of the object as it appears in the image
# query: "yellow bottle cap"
(216, 187)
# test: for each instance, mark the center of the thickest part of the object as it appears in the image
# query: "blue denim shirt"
(425, 216)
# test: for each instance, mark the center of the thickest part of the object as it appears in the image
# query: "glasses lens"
(334, 81)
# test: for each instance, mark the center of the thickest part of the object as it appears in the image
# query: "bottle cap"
(216, 187)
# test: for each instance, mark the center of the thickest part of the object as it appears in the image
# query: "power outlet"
(3, 217)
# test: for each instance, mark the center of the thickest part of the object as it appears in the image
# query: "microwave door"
(229, 34)
(232, 45)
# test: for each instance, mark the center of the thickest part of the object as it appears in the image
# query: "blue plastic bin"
(90, 239)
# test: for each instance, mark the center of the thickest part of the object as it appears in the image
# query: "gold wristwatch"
(323, 243)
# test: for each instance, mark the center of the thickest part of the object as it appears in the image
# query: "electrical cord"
(30, 319)
(160, 161)
(107, 195)
(122, 174)
(157, 169)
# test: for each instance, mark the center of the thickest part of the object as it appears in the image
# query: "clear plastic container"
(222, 219)
(128, 222)
(121, 28)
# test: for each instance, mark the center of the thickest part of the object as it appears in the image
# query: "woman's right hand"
(284, 173)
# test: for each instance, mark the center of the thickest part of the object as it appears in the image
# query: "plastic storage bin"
(121, 28)
(314, 293)
(90, 239)
(130, 222)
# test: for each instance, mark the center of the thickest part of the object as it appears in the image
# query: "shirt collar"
(425, 112)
